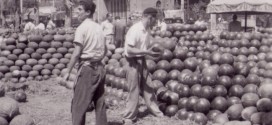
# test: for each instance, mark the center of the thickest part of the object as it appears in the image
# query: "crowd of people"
(30, 25)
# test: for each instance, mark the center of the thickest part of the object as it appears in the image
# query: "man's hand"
(152, 53)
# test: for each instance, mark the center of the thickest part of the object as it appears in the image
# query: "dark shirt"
(120, 30)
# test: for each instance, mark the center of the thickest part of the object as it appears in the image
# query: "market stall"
(245, 7)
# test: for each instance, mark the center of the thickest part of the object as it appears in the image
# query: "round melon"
(64, 61)
(264, 105)
(4, 69)
(62, 50)
(17, 51)
(35, 38)
(265, 91)
(256, 118)
(56, 72)
(29, 78)
(19, 63)
(61, 32)
(221, 118)
(53, 61)
(26, 68)
(44, 45)
(21, 46)
(46, 72)
(24, 57)
(249, 99)
(31, 62)
(42, 61)
(22, 120)
(12, 57)
(51, 50)
(33, 73)
(9, 108)
(3, 121)
(29, 51)
(37, 67)
(248, 111)
(48, 38)
(22, 80)
(24, 74)
(13, 68)
(41, 51)
(36, 56)
(33, 45)
(69, 38)
(8, 75)
(9, 63)
(56, 44)
(68, 55)
(20, 96)
(5, 53)
(10, 47)
(234, 111)
(48, 66)
(46, 77)
(60, 66)
(68, 44)
(59, 37)
(57, 55)
(47, 56)
(10, 41)
(71, 50)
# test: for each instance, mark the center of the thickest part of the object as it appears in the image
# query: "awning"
(240, 6)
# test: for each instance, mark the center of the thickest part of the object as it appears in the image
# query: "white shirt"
(163, 26)
(29, 26)
(41, 26)
(90, 35)
(137, 37)
(50, 25)
(200, 23)
(107, 27)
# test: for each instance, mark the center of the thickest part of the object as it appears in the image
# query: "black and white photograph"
(135, 62)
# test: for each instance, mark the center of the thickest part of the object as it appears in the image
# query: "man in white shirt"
(108, 29)
(138, 39)
(40, 26)
(50, 25)
(29, 25)
(200, 22)
(90, 49)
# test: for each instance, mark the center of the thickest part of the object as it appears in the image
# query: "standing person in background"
(136, 48)
(120, 31)
(50, 24)
(201, 21)
(29, 25)
(40, 26)
(108, 29)
(90, 49)
(235, 26)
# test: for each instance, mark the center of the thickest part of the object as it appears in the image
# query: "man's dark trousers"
(89, 87)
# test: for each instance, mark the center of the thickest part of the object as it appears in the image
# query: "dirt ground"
(49, 104)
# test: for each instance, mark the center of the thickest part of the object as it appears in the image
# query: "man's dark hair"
(234, 17)
(108, 15)
(158, 2)
(88, 5)
(117, 18)
(150, 11)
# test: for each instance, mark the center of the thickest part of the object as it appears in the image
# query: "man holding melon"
(90, 49)
(138, 39)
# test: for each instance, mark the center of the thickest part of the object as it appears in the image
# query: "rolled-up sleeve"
(131, 37)
(79, 36)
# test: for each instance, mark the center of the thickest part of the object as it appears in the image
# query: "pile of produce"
(36, 56)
